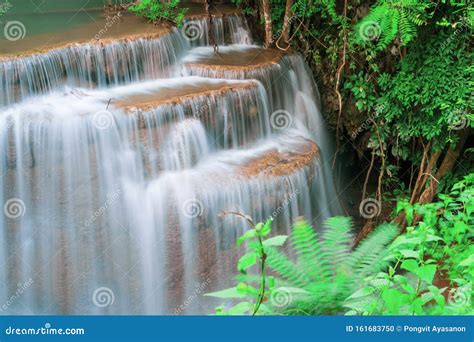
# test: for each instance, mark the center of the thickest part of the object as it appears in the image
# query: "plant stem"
(262, 281)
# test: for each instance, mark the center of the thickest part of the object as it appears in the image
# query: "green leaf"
(227, 293)
(408, 253)
(468, 262)
(409, 214)
(393, 300)
(278, 240)
(432, 237)
(266, 228)
(246, 261)
(247, 289)
(402, 240)
(427, 296)
(249, 234)
(243, 308)
(366, 291)
(427, 273)
(410, 265)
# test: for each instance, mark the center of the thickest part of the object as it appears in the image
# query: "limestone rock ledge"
(281, 163)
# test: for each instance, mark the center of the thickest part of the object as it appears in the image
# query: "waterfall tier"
(218, 30)
(122, 158)
(91, 65)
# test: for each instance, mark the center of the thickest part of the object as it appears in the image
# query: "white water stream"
(99, 197)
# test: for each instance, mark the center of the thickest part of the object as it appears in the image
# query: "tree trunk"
(428, 195)
(285, 31)
(268, 23)
(452, 154)
(449, 160)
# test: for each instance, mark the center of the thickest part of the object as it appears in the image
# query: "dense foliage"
(427, 270)
(155, 10)
(325, 272)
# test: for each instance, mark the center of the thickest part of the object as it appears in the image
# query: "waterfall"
(120, 162)
(90, 65)
(221, 30)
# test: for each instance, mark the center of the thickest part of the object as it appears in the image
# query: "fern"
(389, 20)
(326, 268)
(287, 268)
(369, 255)
(320, 274)
(307, 247)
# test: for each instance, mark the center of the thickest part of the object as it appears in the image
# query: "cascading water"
(121, 190)
(206, 31)
(90, 65)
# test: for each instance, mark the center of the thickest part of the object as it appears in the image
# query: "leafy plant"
(255, 294)
(390, 19)
(439, 244)
(319, 273)
(155, 10)
(4, 7)
(401, 294)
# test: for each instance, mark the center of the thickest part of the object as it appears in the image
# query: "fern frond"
(337, 239)
(286, 268)
(369, 254)
(390, 19)
(327, 268)
(308, 250)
